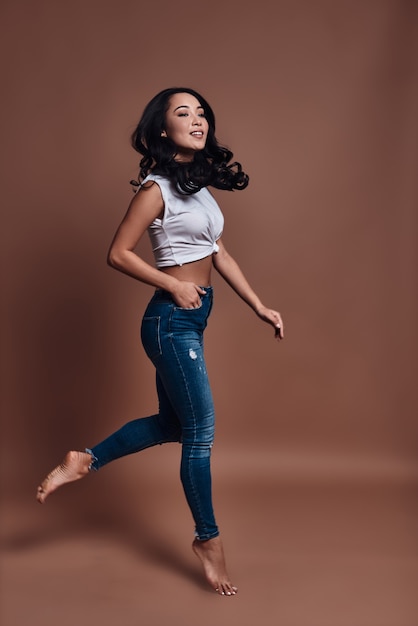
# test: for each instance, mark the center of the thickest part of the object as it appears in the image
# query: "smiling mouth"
(197, 133)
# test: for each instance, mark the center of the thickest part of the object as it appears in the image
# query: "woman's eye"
(183, 114)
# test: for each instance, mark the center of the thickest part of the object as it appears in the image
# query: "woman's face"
(186, 125)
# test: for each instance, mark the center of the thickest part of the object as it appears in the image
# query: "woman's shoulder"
(160, 181)
(157, 178)
(171, 189)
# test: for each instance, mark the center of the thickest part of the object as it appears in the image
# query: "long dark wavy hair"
(210, 166)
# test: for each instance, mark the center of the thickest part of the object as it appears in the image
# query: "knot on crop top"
(190, 227)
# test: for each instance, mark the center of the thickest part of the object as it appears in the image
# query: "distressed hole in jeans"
(192, 354)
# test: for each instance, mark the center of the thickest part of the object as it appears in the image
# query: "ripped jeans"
(173, 340)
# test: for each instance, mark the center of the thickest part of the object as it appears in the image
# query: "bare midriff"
(198, 272)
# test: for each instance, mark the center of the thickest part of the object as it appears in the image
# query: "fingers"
(275, 319)
(188, 295)
(279, 327)
(278, 332)
(196, 302)
(189, 304)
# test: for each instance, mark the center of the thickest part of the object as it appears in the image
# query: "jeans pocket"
(150, 336)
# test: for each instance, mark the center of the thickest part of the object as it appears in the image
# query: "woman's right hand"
(187, 295)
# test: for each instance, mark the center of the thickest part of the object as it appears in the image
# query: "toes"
(226, 590)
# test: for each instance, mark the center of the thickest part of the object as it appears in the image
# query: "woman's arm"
(144, 208)
(230, 271)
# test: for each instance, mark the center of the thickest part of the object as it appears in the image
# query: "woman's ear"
(163, 133)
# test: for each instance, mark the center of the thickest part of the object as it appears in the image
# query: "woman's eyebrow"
(186, 106)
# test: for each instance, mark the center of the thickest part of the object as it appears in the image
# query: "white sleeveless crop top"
(190, 227)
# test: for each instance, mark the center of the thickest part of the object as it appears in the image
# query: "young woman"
(181, 157)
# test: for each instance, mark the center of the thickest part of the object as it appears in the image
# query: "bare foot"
(74, 466)
(211, 554)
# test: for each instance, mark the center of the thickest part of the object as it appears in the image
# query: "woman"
(181, 157)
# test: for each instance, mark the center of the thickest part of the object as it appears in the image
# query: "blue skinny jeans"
(173, 340)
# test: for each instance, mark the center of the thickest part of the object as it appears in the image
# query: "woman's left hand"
(273, 318)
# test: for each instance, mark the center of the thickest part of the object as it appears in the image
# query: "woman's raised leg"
(133, 437)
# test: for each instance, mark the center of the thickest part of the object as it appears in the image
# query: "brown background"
(315, 465)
